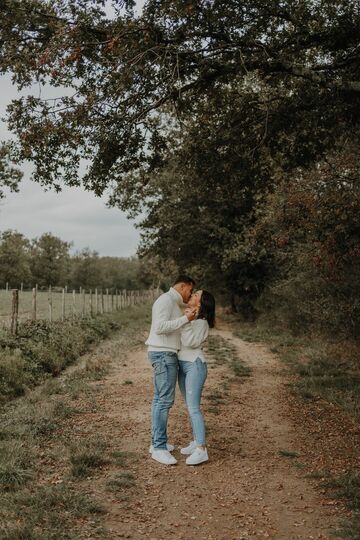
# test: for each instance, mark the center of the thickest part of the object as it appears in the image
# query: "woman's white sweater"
(193, 335)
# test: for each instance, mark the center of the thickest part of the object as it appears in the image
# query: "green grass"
(288, 453)
(121, 481)
(221, 351)
(347, 487)
(87, 455)
(37, 439)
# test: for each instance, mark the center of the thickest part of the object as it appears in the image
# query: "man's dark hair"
(207, 308)
(182, 278)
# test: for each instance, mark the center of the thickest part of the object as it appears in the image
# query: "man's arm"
(161, 316)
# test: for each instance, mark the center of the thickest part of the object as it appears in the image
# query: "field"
(61, 304)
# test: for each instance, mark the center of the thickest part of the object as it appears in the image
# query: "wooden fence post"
(50, 304)
(96, 302)
(91, 303)
(102, 301)
(34, 304)
(107, 300)
(74, 301)
(15, 311)
(83, 302)
(63, 304)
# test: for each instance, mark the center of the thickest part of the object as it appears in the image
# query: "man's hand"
(191, 314)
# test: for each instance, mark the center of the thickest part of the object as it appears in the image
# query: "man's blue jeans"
(165, 366)
(192, 376)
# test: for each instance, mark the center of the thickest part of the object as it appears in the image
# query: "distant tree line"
(47, 261)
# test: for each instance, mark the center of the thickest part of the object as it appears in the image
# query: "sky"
(74, 215)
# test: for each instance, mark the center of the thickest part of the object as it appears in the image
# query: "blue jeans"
(192, 376)
(165, 366)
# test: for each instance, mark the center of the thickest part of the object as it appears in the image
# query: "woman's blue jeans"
(192, 376)
(165, 367)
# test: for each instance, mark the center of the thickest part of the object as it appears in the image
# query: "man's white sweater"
(167, 319)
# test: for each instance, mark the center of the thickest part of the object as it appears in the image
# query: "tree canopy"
(202, 115)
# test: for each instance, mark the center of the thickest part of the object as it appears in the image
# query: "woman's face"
(195, 299)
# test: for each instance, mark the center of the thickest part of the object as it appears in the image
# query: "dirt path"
(248, 489)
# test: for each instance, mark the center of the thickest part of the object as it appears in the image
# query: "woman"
(193, 371)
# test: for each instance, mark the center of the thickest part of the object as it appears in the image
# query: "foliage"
(42, 349)
(206, 118)
(47, 261)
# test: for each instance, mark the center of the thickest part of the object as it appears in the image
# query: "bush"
(43, 349)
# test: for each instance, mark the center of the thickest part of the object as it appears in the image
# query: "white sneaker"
(169, 447)
(188, 450)
(197, 457)
(163, 456)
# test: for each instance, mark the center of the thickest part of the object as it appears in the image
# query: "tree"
(207, 105)
(14, 259)
(49, 260)
(125, 70)
(10, 176)
(86, 270)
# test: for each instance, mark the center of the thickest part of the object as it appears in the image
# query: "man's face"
(186, 291)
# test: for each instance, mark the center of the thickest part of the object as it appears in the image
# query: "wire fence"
(18, 305)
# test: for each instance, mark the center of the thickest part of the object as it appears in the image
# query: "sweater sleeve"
(193, 335)
(161, 316)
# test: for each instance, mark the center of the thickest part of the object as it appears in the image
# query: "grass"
(326, 369)
(36, 503)
(288, 453)
(121, 481)
(347, 487)
(221, 351)
(87, 455)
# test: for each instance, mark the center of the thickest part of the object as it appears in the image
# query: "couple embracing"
(181, 319)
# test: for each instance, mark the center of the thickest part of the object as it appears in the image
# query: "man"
(163, 345)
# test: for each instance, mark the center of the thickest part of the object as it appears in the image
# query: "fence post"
(116, 300)
(74, 301)
(63, 304)
(50, 304)
(91, 303)
(107, 300)
(83, 302)
(112, 299)
(102, 301)
(14, 311)
(34, 304)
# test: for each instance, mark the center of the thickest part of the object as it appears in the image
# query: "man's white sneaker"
(169, 447)
(188, 450)
(197, 457)
(163, 456)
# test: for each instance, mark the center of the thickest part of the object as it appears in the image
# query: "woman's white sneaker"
(188, 450)
(169, 447)
(197, 457)
(164, 457)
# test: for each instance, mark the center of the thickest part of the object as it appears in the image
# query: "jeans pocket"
(159, 366)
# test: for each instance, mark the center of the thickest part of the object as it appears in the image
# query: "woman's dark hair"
(207, 308)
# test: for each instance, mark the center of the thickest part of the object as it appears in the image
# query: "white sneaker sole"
(198, 462)
(169, 447)
(163, 462)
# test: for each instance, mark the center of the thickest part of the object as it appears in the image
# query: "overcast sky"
(73, 215)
